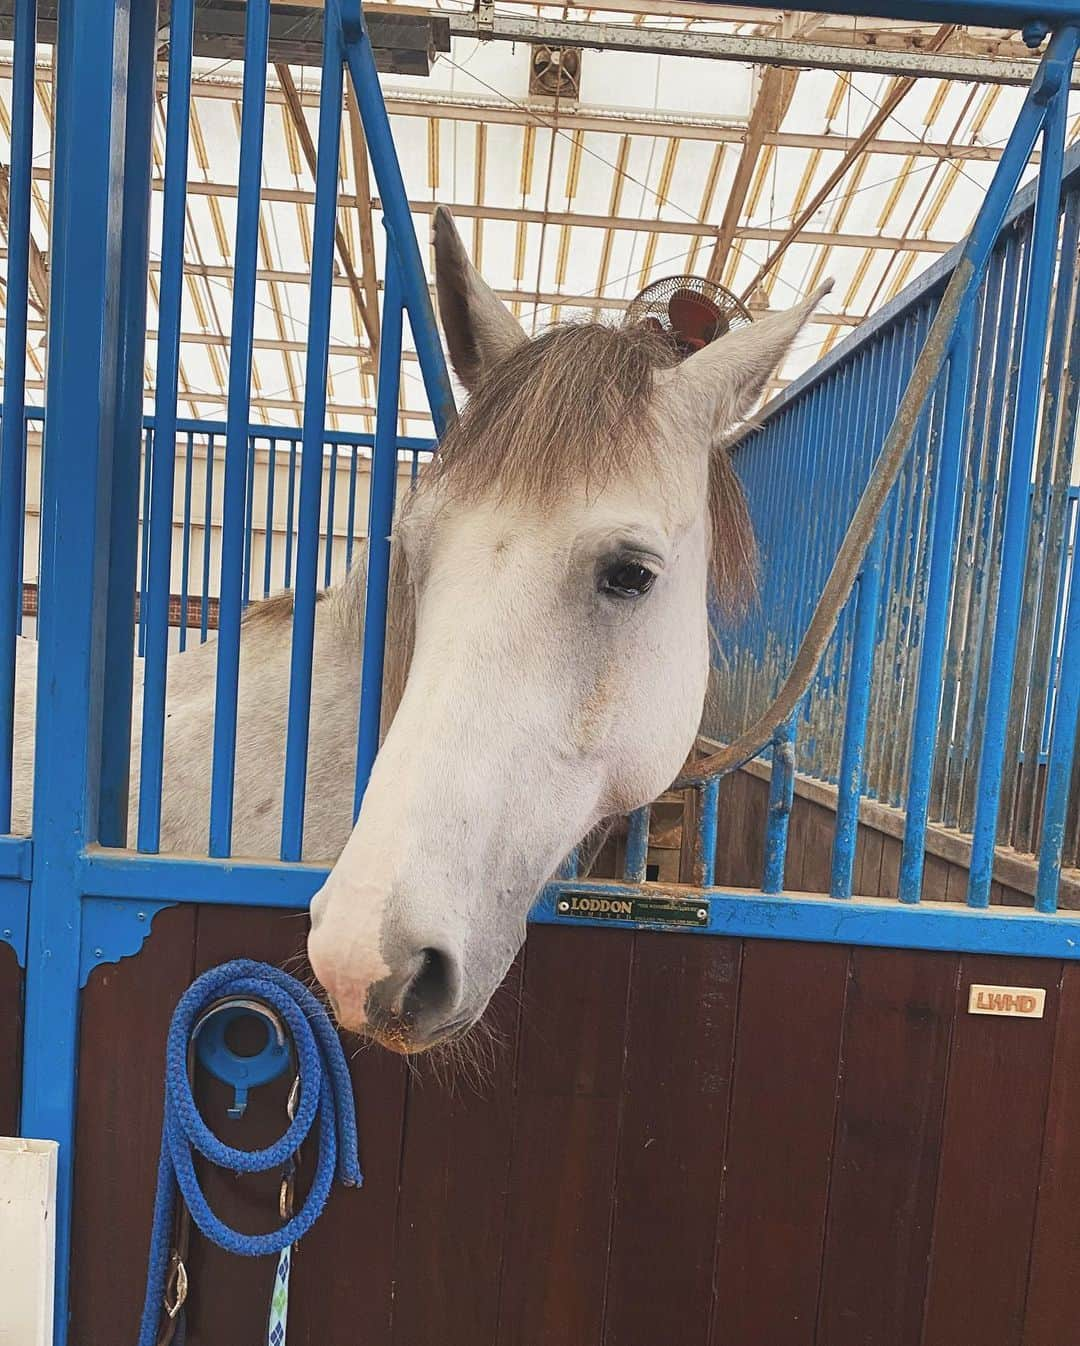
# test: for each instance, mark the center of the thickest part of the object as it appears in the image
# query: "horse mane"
(576, 404)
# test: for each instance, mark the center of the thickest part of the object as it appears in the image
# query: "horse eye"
(627, 579)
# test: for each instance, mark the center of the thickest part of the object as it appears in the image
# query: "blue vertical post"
(331, 497)
(12, 428)
(781, 797)
(127, 440)
(290, 516)
(230, 602)
(1062, 748)
(635, 864)
(208, 537)
(924, 727)
(157, 582)
(395, 206)
(380, 523)
(81, 388)
(350, 518)
(249, 518)
(185, 558)
(144, 550)
(1017, 499)
(707, 822)
(268, 532)
(311, 462)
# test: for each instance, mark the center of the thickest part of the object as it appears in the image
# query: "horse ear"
(723, 381)
(480, 330)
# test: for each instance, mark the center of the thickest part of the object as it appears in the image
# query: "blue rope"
(325, 1095)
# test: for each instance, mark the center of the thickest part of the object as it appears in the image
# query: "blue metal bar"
(22, 527)
(311, 463)
(853, 748)
(949, 467)
(380, 524)
(268, 535)
(290, 515)
(12, 428)
(88, 211)
(347, 14)
(157, 584)
(249, 518)
(350, 520)
(246, 260)
(708, 810)
(144, 563)
(781, 797)
(208, 531)
(1017, 500)
(331, 494)
(127, 440)
(185, 558)
(1062, 749)
(637, 845)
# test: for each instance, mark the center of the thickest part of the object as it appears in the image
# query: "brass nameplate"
(1015, 1002)
(640, 910)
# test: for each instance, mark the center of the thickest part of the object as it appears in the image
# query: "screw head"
(703, 913)
(99, 953)
(564, 906)
(6, 934)
(140, 915)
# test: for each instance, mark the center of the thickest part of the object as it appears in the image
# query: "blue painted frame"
(68, 901)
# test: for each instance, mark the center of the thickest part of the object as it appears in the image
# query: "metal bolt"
(703, 913)
(99, 953)
(7, 934)
(140, 915)
(564, 906)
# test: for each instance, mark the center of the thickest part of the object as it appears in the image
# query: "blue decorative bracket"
(14, 915)
(112, 930)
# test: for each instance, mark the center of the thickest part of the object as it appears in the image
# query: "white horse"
(550, 609)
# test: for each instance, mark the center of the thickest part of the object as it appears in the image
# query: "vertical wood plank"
(889, 877)
(233, 1292)
(868, 867)
(1051, 1314)
(791, 1003)
(566, 1134)
(898, 1024)
(995, 1112)
(126, 1008)
(680, 1041)
(817, 840)
(11, 1018)
(454, 1188)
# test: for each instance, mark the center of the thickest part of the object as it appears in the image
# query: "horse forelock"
(576, 405)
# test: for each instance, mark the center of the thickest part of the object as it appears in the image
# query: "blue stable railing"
(937, 629)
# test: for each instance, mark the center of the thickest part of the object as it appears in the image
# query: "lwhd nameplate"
(1014, 1002)
(669, 911)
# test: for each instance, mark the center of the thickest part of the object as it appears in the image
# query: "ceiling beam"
(38, 287)
(774, 95)
(892, 100)
(614, 121)
(369, 318)
(803, 53)
(676, 228)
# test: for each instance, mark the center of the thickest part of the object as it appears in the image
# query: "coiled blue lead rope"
(325, 1093)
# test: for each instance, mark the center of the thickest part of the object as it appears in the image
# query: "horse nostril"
(431, 989)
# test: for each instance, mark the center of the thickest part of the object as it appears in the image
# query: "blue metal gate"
(955, 664)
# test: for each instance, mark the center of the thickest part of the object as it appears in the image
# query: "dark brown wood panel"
(126, 1008)
(1053, 1313)
(791, 1003)
(898, 1025)
(233, 1293)
(11, 981)
(991, 1151)
(454, 1188)
(679, 1048)
(570, 1078)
